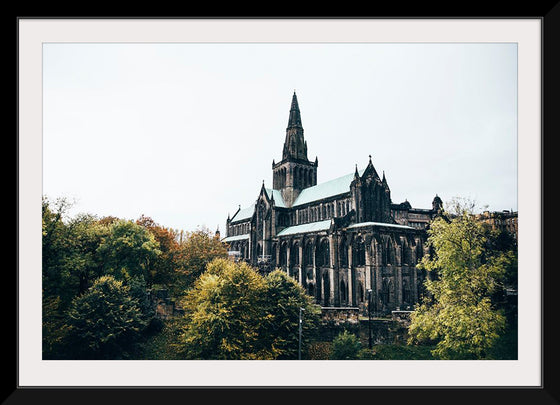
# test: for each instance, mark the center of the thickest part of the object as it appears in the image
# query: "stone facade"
(339, 239)
(505, 221)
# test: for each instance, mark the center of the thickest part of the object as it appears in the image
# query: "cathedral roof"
(364, 224)
(327, 189)
(305, 228)
(244, 213)
(277, 196)
(236, 237)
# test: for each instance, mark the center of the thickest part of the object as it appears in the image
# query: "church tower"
(294, 172)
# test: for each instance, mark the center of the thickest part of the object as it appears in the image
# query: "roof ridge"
(306, 195)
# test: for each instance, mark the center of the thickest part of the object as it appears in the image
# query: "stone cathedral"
(343, 240)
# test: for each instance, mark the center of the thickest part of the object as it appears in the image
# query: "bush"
(319, 350)
(345, 346)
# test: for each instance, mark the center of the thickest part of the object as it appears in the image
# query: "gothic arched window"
(343, 253)
(359, 252)
(283, 254)
(294, 255)
(323, 253)
(308, 254)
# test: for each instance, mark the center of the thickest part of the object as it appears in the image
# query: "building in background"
(504, 221)
(343, 240)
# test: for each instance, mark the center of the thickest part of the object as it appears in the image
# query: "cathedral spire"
(294, 172)
(295, 117)
(294, 145)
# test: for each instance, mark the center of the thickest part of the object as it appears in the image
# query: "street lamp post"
(370, 343)
(300, 327)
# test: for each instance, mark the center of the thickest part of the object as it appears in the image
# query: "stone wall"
(336, 320)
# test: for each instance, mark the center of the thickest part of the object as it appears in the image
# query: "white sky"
(184, 133)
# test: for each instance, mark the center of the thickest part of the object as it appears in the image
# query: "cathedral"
(343, 240)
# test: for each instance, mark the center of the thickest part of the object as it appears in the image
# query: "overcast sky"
(184, 133)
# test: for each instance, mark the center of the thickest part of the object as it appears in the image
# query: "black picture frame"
(549, 393)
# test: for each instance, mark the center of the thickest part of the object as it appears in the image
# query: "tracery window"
(323, 253)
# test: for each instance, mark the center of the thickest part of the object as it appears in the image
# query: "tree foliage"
(235, 313)
(137, 255)
(104, 322)
(128, 250)
(458, 312)
(224, 311)
(284, 298)
(195, 251)
(346, 346)
(162, 269)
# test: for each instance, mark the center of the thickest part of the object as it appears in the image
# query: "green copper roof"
(305, 228)
(237, 237)
(244, 213)
(363, 224)
(327, 189)
(277, 195)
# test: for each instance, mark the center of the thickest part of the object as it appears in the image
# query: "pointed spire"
(295, 116)
(294, 145)
(356, 174)
(384, 181)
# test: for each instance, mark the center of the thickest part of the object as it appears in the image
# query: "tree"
(70, 258)
(129, 250)
(69, 265)
(232, 312)
(457, 312)
(162, 269)
(224, 310)
(193, 254)
(105, 322)
(58, 253)
(283, 300)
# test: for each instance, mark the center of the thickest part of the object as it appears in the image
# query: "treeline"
(99, 274)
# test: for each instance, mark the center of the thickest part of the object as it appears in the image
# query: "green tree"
(54, 328)
(59, 256)
(69, 264)
(224, 310)
(105, 322)
(161, 271)
(128, 251)
(457, 312)
(346, 346)
(283, 299)
(232, 312)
